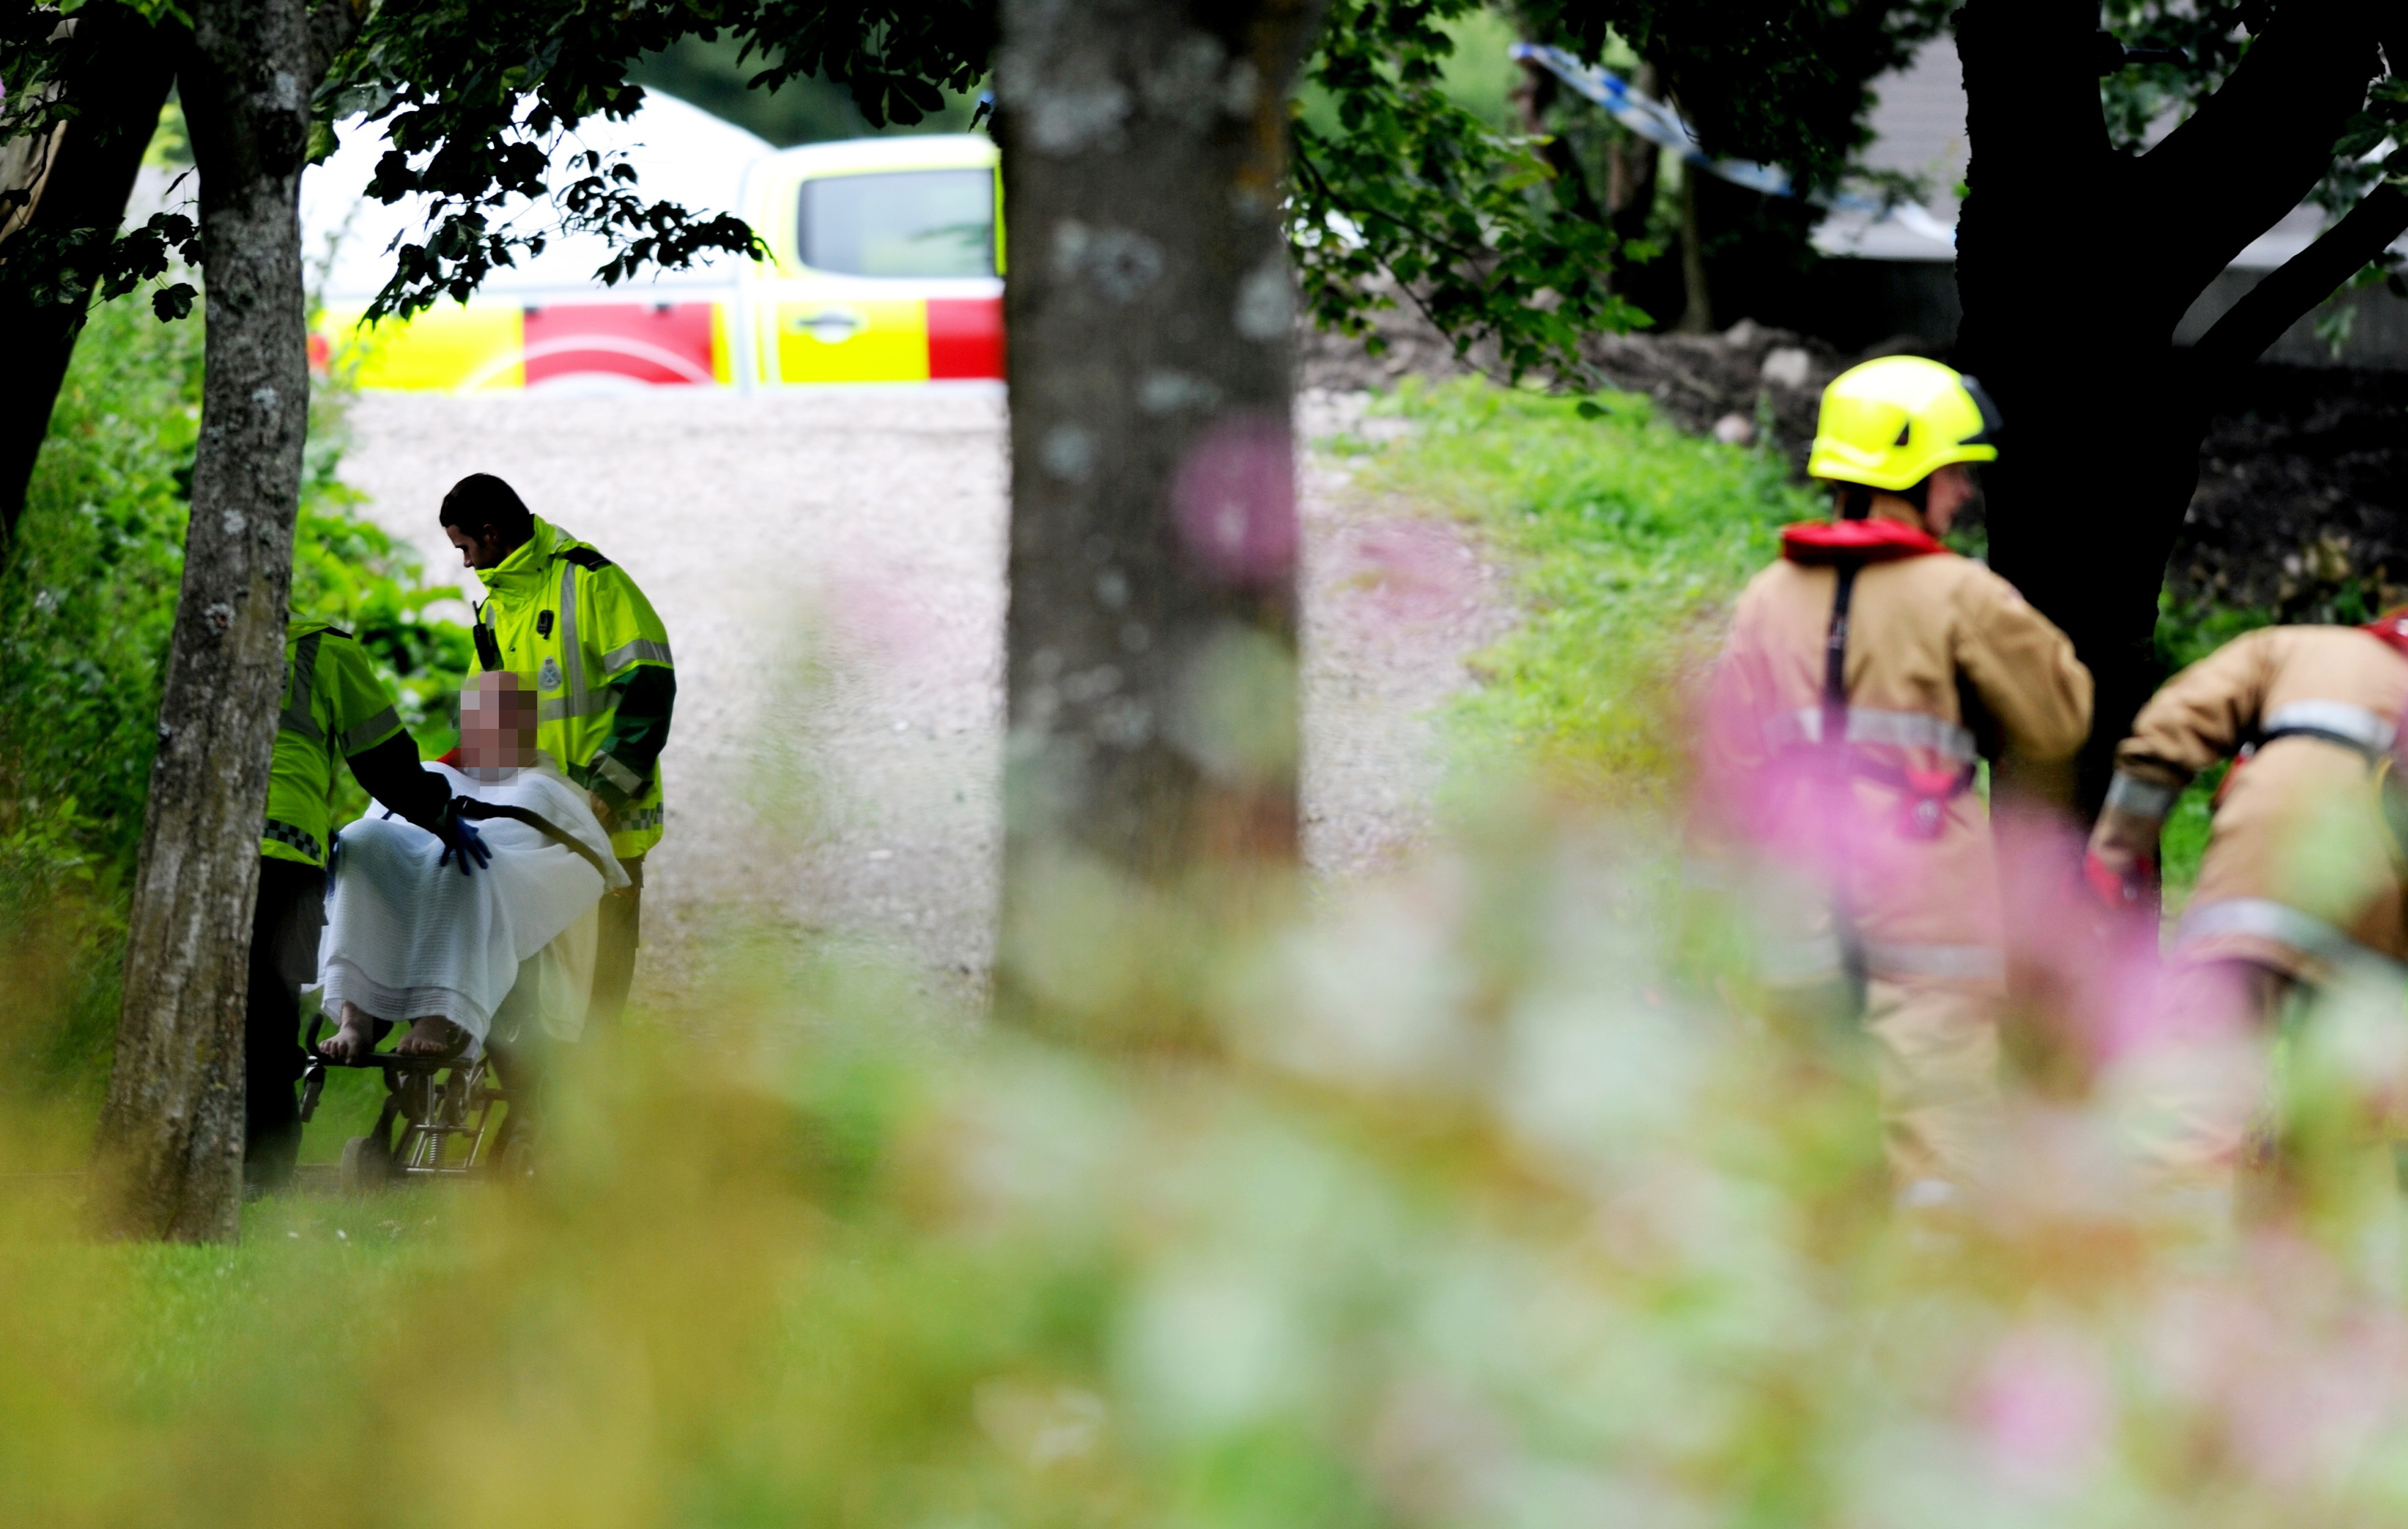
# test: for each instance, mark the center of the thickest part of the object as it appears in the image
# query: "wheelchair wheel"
(367, 1164)
(512, 1159)
(517, 1162)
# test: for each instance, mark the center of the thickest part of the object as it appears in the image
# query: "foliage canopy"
(1412, 197)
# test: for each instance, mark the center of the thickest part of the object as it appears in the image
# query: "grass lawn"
(1629, 540)
(1555, 1243)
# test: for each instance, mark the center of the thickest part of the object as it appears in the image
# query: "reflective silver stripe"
(1936, 963)
(2262, 917)
(2361, 726)
(1870, 724)
(302, 684)
(299, 838)
(617, 773)
(1789, 962)
(558, 708)
(2283, 925)
(372, 731)
(2139, 797)
(572, 662)
(642, 648)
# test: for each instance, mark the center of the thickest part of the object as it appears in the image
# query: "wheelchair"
(445, 1117)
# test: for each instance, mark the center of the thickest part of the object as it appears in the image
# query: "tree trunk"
(2075, 264)
(170, 1142)
(1697, 307)
(1152, 633)
(1534, 92)
(1631, 167)
(118, 81)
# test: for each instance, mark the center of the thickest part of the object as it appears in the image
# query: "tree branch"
(2306, 280)
(2258, 146)
(333, 24)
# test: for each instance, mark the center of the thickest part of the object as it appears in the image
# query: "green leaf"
(2363, 133)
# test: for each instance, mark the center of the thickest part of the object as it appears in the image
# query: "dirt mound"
(1749, 383)
(2302, 502)
(1736, 385)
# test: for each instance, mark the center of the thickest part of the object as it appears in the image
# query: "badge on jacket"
(549, 677)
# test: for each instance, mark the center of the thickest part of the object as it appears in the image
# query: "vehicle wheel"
(518, 1162)
(366, 1166)
(515, 1162)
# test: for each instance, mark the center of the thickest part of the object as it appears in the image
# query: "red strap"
(2113, 891)
(2390, 629)
(1862, 541)
(452, 758)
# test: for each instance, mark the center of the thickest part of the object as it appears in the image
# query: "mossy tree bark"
(1152, 633)
(171, 1131)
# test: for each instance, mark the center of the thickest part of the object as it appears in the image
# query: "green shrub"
(87, 601)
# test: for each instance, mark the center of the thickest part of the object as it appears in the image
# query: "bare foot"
(354, 1039)
(433, 1035)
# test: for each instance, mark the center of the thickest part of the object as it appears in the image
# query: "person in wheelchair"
(410, 938)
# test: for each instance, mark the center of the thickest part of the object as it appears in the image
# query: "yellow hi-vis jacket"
(335, 707)
(572, 625)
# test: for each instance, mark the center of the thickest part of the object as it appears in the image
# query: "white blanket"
(406, 938)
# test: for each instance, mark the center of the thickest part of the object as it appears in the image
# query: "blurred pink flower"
(1234, 500)
(1410, 570)
(894, 617)
(2043, 1410)
(2296, 1369)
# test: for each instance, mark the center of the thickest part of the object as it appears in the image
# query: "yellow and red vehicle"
(885, 266)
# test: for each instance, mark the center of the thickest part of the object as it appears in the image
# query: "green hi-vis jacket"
(571, 624)
(335, 707)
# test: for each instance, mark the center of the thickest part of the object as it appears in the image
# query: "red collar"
(1865, 541)
(2392, 631)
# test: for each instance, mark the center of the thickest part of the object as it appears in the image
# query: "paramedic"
(579, 633)
(335, 707)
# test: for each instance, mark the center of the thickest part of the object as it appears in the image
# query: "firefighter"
(335, 707)
(578, 631)
(2299, 887)
(1866, 674)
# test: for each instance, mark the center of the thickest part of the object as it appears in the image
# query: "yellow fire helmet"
(1891, 423)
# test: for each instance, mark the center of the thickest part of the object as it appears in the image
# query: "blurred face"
(484, 551)
(1952, 490)
(497, 724)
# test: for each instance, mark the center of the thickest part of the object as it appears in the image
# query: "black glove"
(460, 838)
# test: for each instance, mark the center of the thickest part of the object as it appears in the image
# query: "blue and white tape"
(1660, 124)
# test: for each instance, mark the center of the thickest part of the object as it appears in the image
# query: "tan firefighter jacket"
(1945, 664)
(2299, 871)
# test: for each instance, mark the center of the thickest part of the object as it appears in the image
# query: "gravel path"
(830, 567)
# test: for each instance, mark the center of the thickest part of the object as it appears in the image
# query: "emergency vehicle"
(886, 260)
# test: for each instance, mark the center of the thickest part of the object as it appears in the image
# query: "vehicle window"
(909, 222)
